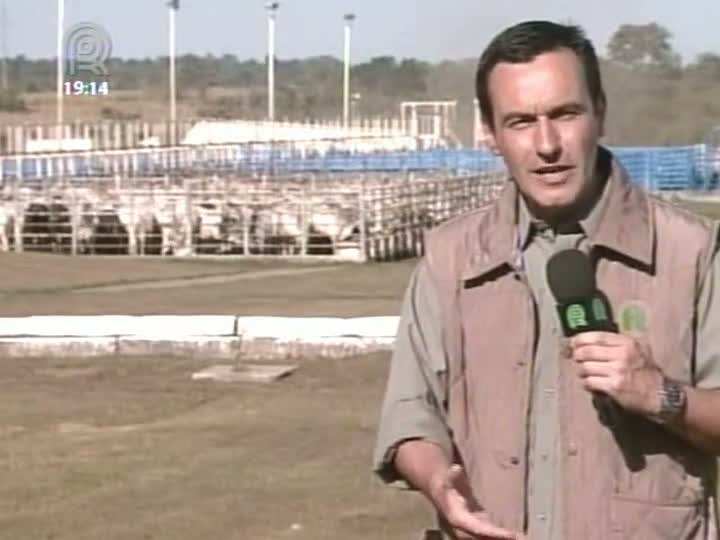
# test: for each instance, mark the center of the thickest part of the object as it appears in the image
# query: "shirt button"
(572, 450)
(542, 517)
(515, 460)
(544, 457)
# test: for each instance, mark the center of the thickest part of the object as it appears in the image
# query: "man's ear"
(490, 139)
(600, 109)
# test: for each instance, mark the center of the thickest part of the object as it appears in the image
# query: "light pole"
(272, 8)
(174, 6)
(349, 18)
(60, 67)
(3, 29)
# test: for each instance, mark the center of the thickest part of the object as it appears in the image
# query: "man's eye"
(568, 115)
(520, 123)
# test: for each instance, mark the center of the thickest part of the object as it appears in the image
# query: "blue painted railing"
(656, 168)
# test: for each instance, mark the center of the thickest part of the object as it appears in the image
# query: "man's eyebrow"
(571, 106)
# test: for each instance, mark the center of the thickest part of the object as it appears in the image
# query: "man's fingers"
(604, 385)
(595, 369)
(478, 525)
(461, 514)
(607, 339)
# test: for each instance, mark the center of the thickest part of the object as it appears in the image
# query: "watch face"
(673, 399)
(674, 395)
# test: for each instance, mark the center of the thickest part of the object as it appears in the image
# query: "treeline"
(653, 97)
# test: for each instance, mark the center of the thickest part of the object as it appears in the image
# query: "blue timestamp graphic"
(90, 88)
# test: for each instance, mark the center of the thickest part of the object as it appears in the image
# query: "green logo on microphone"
(575, 316)
(599, 311)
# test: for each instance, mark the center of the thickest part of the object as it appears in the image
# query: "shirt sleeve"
(707, 366)
(415, 397)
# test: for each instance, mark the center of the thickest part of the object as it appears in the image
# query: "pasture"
(118, 449)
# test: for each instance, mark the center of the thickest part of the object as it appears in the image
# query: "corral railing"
(129, 134)
(355, 217)
(657, 169)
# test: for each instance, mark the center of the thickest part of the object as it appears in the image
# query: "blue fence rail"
(656, 168)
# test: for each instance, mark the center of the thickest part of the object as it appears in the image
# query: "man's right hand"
(451, 494)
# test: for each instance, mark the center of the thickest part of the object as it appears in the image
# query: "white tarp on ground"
(183, 326)
(204, 336)
(119, 325)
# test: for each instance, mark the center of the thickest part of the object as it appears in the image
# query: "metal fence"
(351, 217)
(657, 169)
(108, 135)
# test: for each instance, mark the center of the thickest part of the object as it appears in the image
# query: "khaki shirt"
(419, 365)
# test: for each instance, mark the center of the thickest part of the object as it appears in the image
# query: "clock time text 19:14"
(82, 88)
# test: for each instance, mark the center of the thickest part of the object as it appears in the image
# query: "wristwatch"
(673, 401)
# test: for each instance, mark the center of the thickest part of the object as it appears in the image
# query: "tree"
(706, 67)
(645, 44)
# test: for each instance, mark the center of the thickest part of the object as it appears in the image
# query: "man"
(489, 408)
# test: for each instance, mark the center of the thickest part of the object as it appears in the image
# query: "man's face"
(546, 128)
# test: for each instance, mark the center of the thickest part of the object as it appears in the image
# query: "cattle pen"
(234, 200)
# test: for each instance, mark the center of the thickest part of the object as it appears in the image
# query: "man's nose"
(547, 140)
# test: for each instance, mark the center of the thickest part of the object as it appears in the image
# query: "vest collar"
(626, 226)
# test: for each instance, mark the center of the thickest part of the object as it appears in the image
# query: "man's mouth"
(552, 169)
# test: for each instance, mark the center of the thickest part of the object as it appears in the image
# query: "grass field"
(117, 449)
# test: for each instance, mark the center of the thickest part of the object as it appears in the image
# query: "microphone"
(582, 308)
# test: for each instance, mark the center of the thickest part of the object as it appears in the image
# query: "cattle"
(7, 226)
(47, 228)
(109, 235)
(309, 215)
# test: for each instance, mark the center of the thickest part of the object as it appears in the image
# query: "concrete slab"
(263, 373)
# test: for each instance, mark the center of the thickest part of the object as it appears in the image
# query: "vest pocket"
(645, 520)
(663, 480)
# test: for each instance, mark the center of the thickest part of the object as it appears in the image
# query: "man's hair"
(523, 43)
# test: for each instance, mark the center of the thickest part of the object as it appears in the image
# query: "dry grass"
(108, 449)
(50, 285)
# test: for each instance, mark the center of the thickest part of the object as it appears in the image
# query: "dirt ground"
(125, 449)
(132, 448)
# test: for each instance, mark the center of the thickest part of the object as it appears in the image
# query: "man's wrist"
(671, 402)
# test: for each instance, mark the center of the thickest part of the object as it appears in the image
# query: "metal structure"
(272, 8)
(430, 121)
(173, 7)
(480, 136)
(3, 43)
(349, 18)
(60, 66)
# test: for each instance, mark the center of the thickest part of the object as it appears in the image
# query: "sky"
(431, 30)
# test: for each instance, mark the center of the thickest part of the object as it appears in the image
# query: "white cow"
(7, 224)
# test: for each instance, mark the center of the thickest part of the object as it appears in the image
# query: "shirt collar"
(529, 225)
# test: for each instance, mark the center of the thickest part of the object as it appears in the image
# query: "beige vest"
(637, 481)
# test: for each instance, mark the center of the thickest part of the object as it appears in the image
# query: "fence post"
(74, 223)
(304, 228)
(363, 223)
(190, 240)
(19, 217)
